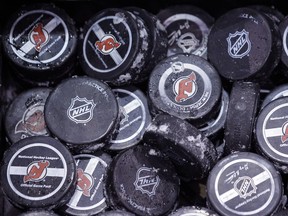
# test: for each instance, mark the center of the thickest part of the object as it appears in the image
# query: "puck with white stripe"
(24, 116)
(134, 119)
(38, 172)
(88, 198)
(40, 41)
(244, 183)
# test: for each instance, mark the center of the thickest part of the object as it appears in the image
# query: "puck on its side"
(186, 86)
(88, 198)
(192, 153)
(244, 183)
(283, 27)
(243, 109)
(277, 92)
(40, 41)
(134, 119)
(194, 211)
(81, 111)
(116, 213)
(187, 29)
(39, 213)
(24, 116)
(142, 181)
(271, 133)
(244, 44)
(38, 172)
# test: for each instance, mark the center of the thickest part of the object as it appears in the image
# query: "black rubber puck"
(40, 41)
(283, 27)
(277, 92)
(116, 213)
(243, 108)
(244, 183)
(88, 198)
(187, 29)
(271, 132)
(186, 86)
(24, 116)
(193, 211)
(113, 47)
(272, 12)
(142, 181)
(38, 172)
(38, 213)
(192, 153)
(135, 117)
(244, 44)
(81, 111)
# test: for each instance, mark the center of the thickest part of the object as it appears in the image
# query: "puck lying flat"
(244, 44)
(186, 86)
(142, 181)
(81, 111)
(244, 183)
(25, 115)
(38, 172)
(192, 153)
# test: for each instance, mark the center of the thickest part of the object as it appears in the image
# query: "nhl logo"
(239, 44)
(245, 187)
(81, 110)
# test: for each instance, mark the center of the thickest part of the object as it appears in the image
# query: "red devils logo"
(185, 87)
(85, 182)
(39, 36)
(36, 171)
(284, 137)
(107, 44)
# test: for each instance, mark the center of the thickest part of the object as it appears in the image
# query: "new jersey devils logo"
(239, 44)
(284, 137)
(39, 36)
(107, 44)
(36, 171)
(84, 182)
(185, 87)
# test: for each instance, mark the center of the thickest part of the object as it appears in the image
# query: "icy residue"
(138, 63)
(124, 77)
(198, 142)
(152, 128)
(119, 17)
(153, 152)
(164, 128)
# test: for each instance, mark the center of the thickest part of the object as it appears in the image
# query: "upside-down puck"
(88, 198)
(192, 152)
(81, 111)
(134, 119)
(142, 181)
(242, 111)
(24, 116)
(271, 133)
(187, 29)
(186, 86)
(38, 172)
(277, 92)
(40, 41)
(244, 44)
(244, 183)
(193, 211)
(114, 46)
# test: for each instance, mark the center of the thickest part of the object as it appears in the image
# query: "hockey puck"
(243, 108)
(244, 44)
(24, 116)
(88, 198)
(38, 213)
(192, 153)
(40, 42)
(81, 111)
(116, 213)
(113, 46)
(277, 92)
(193, 211)
(38, 172)
(244, 183)
(187, 29)
(135, 117)
(283, 27)
(273, 13)
(186, 86)
(142, 181)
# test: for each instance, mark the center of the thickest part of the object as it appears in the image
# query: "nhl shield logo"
(239, 44)
(81, 110)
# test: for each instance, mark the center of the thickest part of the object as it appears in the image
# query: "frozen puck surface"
(81, 104)
(25, 115)
(244, 44)
(135, 117)
(88, 198)
(191, 151)
(186, 86)
(193, 211)
(142, 181)
(38, 172)
(244, 183)
(187, 28)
